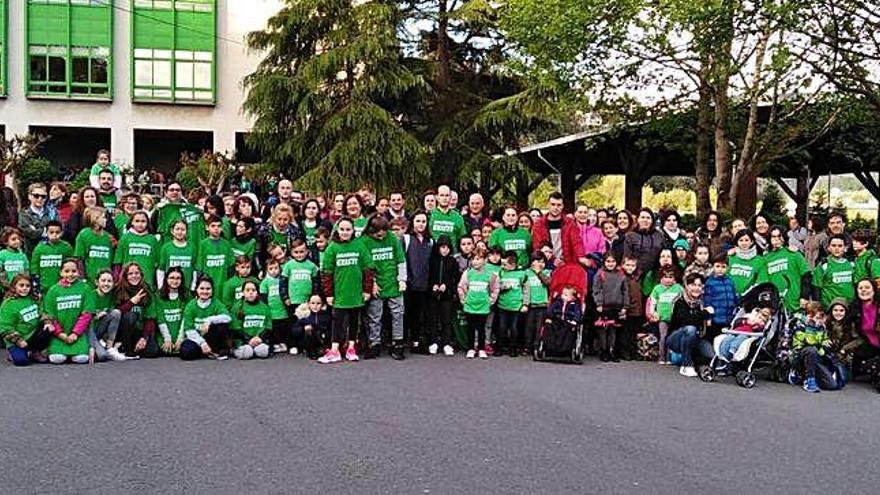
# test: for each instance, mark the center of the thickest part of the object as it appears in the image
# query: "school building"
(146, 79)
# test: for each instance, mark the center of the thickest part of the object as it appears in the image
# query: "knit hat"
(837, 301)
(681, 244)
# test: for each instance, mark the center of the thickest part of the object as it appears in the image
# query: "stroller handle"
(738, 332)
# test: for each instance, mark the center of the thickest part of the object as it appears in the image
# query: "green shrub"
(187, 178)
(80, 180)
(35, 170)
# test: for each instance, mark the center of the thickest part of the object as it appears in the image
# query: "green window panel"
(174, 54)
(3, 44)
(70, 45)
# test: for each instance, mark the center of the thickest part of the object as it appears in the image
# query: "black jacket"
(444, 270)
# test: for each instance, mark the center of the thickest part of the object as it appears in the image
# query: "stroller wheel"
(539, 354)
(745, 379)
(707, 374)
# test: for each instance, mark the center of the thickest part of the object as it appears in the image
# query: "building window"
(69, 48)
(174, 51)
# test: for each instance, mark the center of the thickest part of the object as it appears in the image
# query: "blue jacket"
(570, 312)
(720, 294)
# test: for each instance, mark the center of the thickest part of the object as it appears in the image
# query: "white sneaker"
(471, 354)
(483, 355)
(115, 355)
(293, 351)
(330, 356)
(279, 348)
(432, 349)
(447, 350)
(687, 371)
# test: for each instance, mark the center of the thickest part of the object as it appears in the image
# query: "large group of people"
(106, 273)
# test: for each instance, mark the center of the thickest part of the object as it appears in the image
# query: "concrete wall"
(235, 18)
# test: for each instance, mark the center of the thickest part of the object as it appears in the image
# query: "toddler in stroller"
(561, 333)
(752, 325)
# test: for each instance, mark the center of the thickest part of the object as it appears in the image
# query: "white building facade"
(146, 78)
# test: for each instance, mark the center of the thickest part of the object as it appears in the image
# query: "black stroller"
(758, 351)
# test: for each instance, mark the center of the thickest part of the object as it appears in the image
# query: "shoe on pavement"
(396, 352)
(490, 349)
(810, 385)
(793, 378)
(351, 354)
(293, 351)
(483, 355)
(471, 354)
(279, 348)
(115, 355)
(432, 349)
(448, 351)
(687, 371)
(329, 357)
(39, 357)
(372, 352)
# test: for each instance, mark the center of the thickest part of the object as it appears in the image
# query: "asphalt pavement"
(425, 425)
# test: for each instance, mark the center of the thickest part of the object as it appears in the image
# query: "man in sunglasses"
(33, 219)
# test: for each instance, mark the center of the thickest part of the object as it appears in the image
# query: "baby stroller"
(560, 339)
(758, 351)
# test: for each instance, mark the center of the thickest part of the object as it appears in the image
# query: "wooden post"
(633, 191)
(569, 185)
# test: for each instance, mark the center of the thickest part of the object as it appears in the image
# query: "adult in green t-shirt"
(389, 262)
(109, 195)
(347, 274)
(445, 220)
(787, 270)
(511, 237)
(173, 207)
(746, 268)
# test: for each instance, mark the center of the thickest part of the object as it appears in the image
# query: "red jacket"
(572, 247)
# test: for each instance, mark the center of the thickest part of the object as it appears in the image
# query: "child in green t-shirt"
(47, 257)
(251, 324)
(93, 244)
(179, 251)
(12, 259)
(233, 287)
(478, 292)
(513, 301)
(215, 254)
(270, 292)
(205, 325)
(660, 304)
(539, 281)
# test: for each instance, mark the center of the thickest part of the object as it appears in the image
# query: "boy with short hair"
(635, 311)
(834, 277)
(513, 301)
(47, 258)
(215, 257)
(719, 297)
(867, 265)
(809, 343)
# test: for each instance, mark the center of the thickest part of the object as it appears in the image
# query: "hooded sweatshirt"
(592, 238)
(610, 289)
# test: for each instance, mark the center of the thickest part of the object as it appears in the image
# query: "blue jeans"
(683, 342)
(730, 344)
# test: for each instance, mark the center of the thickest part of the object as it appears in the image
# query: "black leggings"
(345, 324)
(416, 304)
(217, 338)
(476, 325)
(130, 331)
(443, 314)
(281, 331)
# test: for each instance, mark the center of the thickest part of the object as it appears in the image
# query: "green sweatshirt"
(519, 241)
(96, 251)
(171, 255)
(346, 263)
(450, 224)
(142, 250)
(232, 289)
(46, 262)
(109, 200)
(746, 273)
(299, 275)
(65, 305)
(246, 248)
(121, 221)
(194, 315)
(102, 302)
(20, 315)
(389, 262)
(13, 262)
(215, 260)
(834, 278)
(270, 288)
(785, 268)
(664, 300)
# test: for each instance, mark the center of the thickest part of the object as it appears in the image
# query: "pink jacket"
(591, 238)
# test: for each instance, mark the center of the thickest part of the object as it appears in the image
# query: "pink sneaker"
(330, 357)
(489, 350)
(351, 354)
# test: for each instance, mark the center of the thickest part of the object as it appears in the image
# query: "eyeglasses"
(173, 189)
(39, 196)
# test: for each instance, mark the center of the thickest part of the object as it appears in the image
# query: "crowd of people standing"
(106, 273)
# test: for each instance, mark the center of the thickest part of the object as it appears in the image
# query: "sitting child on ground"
(809, 345)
